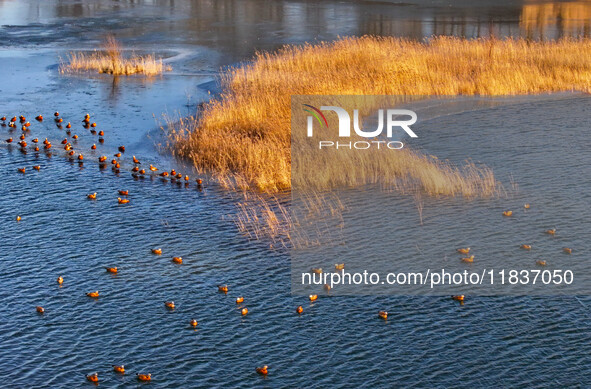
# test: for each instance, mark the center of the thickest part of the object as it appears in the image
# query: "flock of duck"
(137, 172)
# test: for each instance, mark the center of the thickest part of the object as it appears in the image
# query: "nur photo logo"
(389, 119)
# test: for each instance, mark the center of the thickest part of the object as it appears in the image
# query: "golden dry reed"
(110, 60)
(244, 134)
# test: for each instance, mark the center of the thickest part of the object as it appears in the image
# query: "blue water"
(337, 341)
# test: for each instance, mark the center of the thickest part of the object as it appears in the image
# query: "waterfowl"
(193, 323)
(119, 369)
(459, 297)
(94, 294)
(164, 174)
(65, 141)
(92, 377)
(121, 149)
(313, 297)
(71, 153)
(22, 144)
(22, 118)
(113, 161)
(40, 309)
(541, 263)
(21, 170)
(118, 155)
(60, 280)
(135, 160)
(507, 213)
(567, 250)
(262, 370)
(56, 114)
(157, 251)
(143, 171)
(317, 270)
(123, 192)
(186, 178)
(45, 142)
(199, 182)
(68, 125)
(59, 120)
(35, 140)
(299, 310)
(144, 377)
(93, 147)
(179, 176)
(525, 246)
(135, 169)
(13, 119)
(117, 166)
(464, 250)
(101, 140)
(9, 140)
(47, 146)
(3, 118)
(101, 133)
(526, 206)
(27, 124)
(152, 168)
(36, 148)
(122, 201)
(178, 260)
(18, 218)
(383, 314)
(37, 167)
(68, 147)
(244, 311)
(93, 125)
(75, 137)
(102, 158)
(223, 288)
(22, 137)
(239, 300)
(169, 304)
(111, 269)
(469, 259)
(80, 157)
(551, 232)
(173, 172)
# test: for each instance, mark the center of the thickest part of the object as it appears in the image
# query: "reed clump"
(244, 134)
(110, 60)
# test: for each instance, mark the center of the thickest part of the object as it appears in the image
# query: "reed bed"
(244, 134)
(110, 60)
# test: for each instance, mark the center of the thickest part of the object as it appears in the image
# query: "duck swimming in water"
(157, 251)
(37, 167)
(60, 280)
(469, 259)
(459, 297)
(526, 206)
(239, 300)
(144, 377)
(68, 125)
(223, 288)
(567, 250)
(93, 147)
(103, 158)
(169, 304)
(507, 213)
(551, 232)
(91, 196)
(541, 263)
(111, 270)
(244, 311)
(135, 160)
(525, 246)
(153, 168)
(299, 310)
(193, 323)
(40, 309)
(122, 201)
(21, 170)
(262, 370)
(123, 192)
(383, 314)
(94, 376)
(313, 297)
(119, 369)
(94, 294)
(465, 250)
(178, 260)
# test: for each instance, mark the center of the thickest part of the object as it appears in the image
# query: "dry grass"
(244, 135)
(110, 60)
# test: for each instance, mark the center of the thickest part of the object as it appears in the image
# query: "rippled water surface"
(337, 341)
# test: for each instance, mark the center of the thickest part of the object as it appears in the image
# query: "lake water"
(337, 341)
